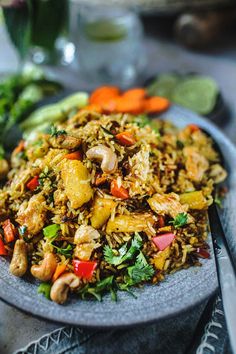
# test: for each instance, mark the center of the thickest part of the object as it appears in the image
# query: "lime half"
(196, 93)
(105, 31)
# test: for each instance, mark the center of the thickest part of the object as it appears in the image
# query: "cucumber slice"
(196, 93)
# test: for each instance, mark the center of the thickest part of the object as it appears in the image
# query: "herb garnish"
(180, 220)
(101, 287)
(55, 132)
(124, 253)
(67, 251)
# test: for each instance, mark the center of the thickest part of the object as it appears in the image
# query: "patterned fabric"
(163, 337)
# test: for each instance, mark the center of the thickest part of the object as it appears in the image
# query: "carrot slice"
(3, 251)
(100, 179)
(126, 138)
(20, 147)
(92, 108)
(9, 231)
(124, 105)
(156, 104)
(60, 269)
(110, 106)
(76, 155)
(103, 94)
(137, 93)
(119, 192)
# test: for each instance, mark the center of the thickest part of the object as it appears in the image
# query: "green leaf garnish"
(180, 220)
(51, 231)
(55, 132)
(125, 254)
(140, 271)
(218, 201)
(45, 288)
(67, 251)
(2, 152)
(99, 289)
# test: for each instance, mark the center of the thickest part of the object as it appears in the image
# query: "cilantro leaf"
(55, 132)
(218, 201)
(99, 289)
(67, 251)
(140, 271)
(180, 220)
(125, 254)
(45, 288)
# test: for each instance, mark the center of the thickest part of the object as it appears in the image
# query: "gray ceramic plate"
(179, 292)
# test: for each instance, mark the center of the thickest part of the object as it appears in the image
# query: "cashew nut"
(46, 269)
(61, 287)
(19, 262)
(104, 154)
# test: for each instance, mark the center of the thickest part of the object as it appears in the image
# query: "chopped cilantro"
(180, 220)
(139, 272)
(142, 121)
(45, 288)
(55, 132)
(125, 254)
(99, 289)
(51, 231)
(67, 251)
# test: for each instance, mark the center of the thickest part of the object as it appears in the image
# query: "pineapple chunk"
(101, 211)
(195, 200)
(130, 223)
(76, 181)
(160, 258)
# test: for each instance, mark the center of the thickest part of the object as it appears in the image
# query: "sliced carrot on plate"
(103, 94)
(156, 104)
(137, 93)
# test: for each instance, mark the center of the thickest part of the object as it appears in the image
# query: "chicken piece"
(130, 223)
(86, 238)
(167, 204)
(65, 141)
(102, 209)
(33, 214)
(76, 180)
(196, 164)
(4, 168)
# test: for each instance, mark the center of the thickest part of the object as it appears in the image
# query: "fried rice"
(115, 200)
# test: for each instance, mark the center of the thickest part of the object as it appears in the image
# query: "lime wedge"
(164, 85)
(196, 93)
(105, 31)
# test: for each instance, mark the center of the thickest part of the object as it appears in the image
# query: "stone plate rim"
(22, 293)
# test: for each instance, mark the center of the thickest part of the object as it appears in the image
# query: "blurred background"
(184, 50)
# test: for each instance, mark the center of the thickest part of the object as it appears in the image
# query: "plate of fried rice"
(104, 217)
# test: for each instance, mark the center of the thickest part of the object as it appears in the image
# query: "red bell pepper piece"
(33, 183)
(119, 192)
(163, 241)
(125, 138)
(9, 231)
(3, 251)
(161, 221)
(203, 253)
(84, 269)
